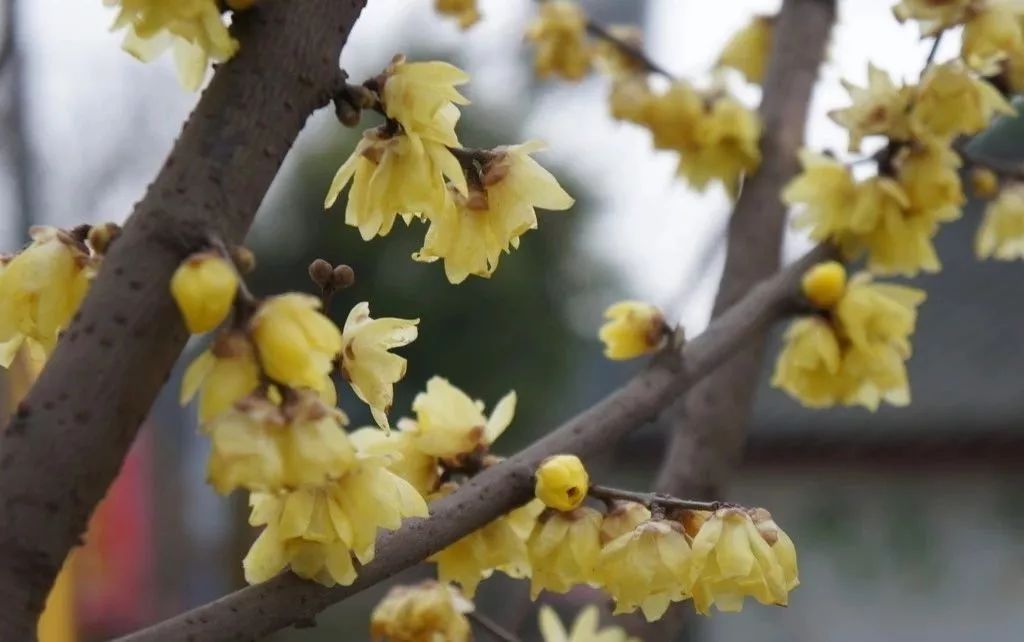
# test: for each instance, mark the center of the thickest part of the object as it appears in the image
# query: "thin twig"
(934, 50)
(633, 52)
(496, 631)
(653, 499)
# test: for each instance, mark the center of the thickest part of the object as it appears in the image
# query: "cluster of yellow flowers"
(642, 559)
(715, 135)
(993, 32)
(892, 217)
(647, 561)
(193, 29)
(268, 404)
(41, 288)
(435, 612)
(477, 202)
(854, 352)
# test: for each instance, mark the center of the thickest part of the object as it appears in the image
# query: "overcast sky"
(102, 122)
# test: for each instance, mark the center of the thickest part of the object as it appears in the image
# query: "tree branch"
(286, 599)
(65, 443)
(709, 424)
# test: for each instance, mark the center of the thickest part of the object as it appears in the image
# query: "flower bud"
(562, 482)
(824, 284)
(984, 182)
(633, 329)
(204, 287)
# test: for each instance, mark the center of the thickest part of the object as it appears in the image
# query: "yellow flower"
(727, 146)
(41, 288)
(882, 225)
(633, 329)
(500, 545)
(826, 189)
(824, 284)
(631, 99)
(731, 560)
(224, 374)
(646, 568)
(464, 11)
(393, 175)
(562, 482)
(880, 108)
(675, 116)
(471, 232)
(260, 446)
(950, 101)
(365, 361)
(450, 425)
(316, 531)
(560, 35)
(193, 28)
(872, 314)
(476, 556)
(297, 345)
(427, 612)
(563, 550)
(423, 98)
(421, 470)
(934, 15)
(613, 60)
(584, 629)
(748, 50)
(1001, 234)
(782, 545)
(991, 34)
(622, 518)
(930, 177)
(809, 365)
(204, 287)
(984, 182)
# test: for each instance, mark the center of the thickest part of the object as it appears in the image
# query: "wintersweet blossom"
(563, 550)
(646, 568)
(449, 424)
(194, 29)
(262, 446)
(731, 560)
(422, 97)
(1001, 234)
(632, 329)
(296, 343)
(562, 482)
(464, 11)
(560, 35)
(426, 612)
(951, 101)
(41, 288)
(366, 361)
(204, 287)
(317, 531)
(748, 49)
(880, 108)
(221, 375)
(585, 628)
(473, 228)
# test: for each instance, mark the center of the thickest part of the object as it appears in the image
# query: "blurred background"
(910, 523)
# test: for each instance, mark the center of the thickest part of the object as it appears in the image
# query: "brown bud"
(101, 236)
(243, 258)
(342, 277)
(348, 115)
(321, 272)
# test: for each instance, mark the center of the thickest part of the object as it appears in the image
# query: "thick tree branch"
(286, 599)
(709, 424)
(66, 441)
